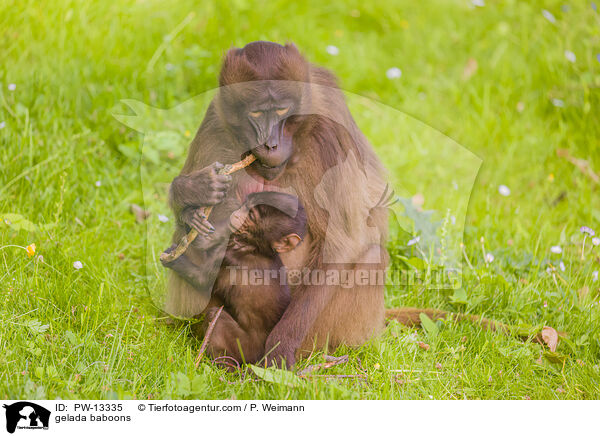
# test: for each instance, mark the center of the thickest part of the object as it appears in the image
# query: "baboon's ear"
(235, 68)
(287, 243)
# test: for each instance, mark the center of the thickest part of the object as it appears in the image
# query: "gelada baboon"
(292, 116)
(251, 284)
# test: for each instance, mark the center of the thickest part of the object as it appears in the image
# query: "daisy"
(586, 232)
(332, 50)
(393, 73)
(548, 16)
(556, 249)
(504, 190)
(570, 56)
(413, 241)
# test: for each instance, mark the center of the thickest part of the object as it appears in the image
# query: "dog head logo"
(26, 415)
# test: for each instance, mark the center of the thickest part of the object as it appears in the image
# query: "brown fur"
(275, 222)
(327, 143)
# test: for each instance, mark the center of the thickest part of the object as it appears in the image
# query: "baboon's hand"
(203, 187)
(197, 220)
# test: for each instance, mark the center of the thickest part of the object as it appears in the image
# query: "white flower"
(504, 190)
(332, 50)
(2, 124)
(413, 241)
(587, 230)
(489, 258)
(556, 249)
(163, 218)
(169, 67)
(595, 276)
(98, 183)
(77, 265)
(562, 266)
(558, 102)
(12, 86)
(570, 56)
(479, 3)
(548, 16)
(393, 73)
(596, 241)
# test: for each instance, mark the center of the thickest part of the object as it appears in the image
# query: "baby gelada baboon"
(251, 284)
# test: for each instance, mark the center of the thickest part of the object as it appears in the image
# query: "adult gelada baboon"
(292, 116)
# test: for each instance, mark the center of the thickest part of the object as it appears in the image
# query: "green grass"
(93, 332)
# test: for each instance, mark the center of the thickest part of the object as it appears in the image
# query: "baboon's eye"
(282, 111)
(253, 215)
(255, 114)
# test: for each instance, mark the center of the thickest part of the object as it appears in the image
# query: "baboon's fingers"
(202, 226)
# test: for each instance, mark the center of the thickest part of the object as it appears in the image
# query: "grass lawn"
(508, 84)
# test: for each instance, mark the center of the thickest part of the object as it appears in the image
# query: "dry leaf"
(424, 346)
(418, 200)
(550, 337)
(140, 214)
(470, 68)
(582, 164)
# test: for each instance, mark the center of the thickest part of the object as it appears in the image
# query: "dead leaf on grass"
(139, 213)
(550, 337)
(424, 346)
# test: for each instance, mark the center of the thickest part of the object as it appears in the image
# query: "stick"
(332, 361)
(209, 331)
(336, 376)
(185, 242)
